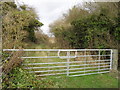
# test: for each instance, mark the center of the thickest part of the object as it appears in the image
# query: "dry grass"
(13, 62)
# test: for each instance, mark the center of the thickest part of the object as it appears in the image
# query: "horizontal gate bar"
(63, 56)
(63, 66)
(88, 74)
(63, 62)
(41, 57)
(70, 72)
(43, 67)
(90, 55)
(90, 70)
(69, 69)
(60, 56)
(50, 74)
(56, 49)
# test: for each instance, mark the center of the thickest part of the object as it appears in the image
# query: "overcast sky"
(50, 10)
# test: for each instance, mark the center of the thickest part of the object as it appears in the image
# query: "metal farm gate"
(70, 62)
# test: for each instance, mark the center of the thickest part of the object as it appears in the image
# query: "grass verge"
(88, 81)
(25, 80)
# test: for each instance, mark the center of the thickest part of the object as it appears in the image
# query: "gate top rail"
(56, 49)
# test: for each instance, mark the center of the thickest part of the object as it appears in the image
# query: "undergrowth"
(20, 78)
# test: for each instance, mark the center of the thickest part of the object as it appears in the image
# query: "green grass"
(19, 78)
(88, 81)
(31, 45)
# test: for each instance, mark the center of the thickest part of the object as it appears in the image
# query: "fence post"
(68, 60)
(114, 59)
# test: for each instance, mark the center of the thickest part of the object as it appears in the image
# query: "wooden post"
(114, 59)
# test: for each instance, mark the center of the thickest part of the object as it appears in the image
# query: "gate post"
(114, 59)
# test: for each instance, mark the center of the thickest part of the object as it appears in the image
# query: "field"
(89, 81)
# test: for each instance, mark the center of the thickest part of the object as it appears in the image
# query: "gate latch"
(67, 56)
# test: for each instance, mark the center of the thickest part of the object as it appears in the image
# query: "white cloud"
(50, 10)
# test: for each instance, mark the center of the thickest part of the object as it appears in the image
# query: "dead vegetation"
(89, 59)
(13, 62)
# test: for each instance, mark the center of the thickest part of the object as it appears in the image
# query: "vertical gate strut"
(68, 60)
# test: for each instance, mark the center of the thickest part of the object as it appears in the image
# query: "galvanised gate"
(70, 62)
